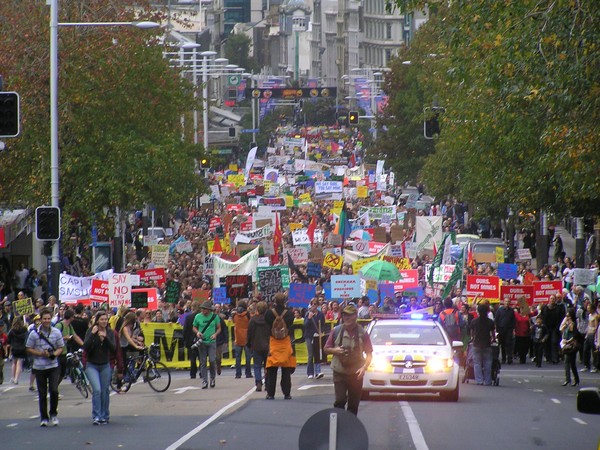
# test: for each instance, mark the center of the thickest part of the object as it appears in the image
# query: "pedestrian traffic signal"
(431, 124)
(9, 114)
(353, 118)
(47, 223)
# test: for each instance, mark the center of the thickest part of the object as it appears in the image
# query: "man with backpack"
(352, 351)
(280, 320)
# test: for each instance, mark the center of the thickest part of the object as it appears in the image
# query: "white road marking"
(8, 388)
(538, 390)
(210, 420)
(181, 390)
(12, 425)
(413, 426)
(310, 386)
(33, 417)
(555, 400)
(579, 421)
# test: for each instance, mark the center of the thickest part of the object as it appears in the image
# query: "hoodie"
(241, 321)
(259, 333)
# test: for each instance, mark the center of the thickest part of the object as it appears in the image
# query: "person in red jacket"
(522, 332)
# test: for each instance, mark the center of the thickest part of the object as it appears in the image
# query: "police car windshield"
(406, 335)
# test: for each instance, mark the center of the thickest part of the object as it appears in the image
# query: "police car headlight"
(439, 364)
(380, 364)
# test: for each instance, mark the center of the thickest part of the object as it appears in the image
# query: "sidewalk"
(568, 243)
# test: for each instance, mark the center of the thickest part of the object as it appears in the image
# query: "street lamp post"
(54, 150)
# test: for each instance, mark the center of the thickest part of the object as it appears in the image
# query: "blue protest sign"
(386, 290)
(300, 294)
(313, 270)
(372, 294)
(327, 291)
(220, 295)
(507, 271)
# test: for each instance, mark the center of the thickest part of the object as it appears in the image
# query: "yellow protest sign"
(305, 198)
(362, 191)
(289, 201)
(233, 167)
(23, 306)
(499, 254)
(333, 261)
(371, 285)
(295, 226)
(237, 180)
(211, 245)
(267, 184)
(356, 265)
(337, 207)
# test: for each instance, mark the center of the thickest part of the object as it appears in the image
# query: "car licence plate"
(409, 377)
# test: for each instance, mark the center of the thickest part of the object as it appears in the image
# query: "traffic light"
(204, 163)
(353, 118)
(9, 114)
(47, 223)
(231, 131)
(431, 124)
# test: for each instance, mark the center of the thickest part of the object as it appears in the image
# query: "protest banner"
(246, 265)
(173, 291)
(410, 279)
(295, 226)
(333, 261)
(487, 286)
(220, 295)
(542, 290)
(157, 275)
(99, 290)
(313, 270)
(584, 277)
(71, 288)
(515, 292)
(160, 255)
(507, 271)
(201, 295)
(328, 187)
(300, 237)
(119, 290)
(23, 306)
(299, 255)
(387, 290)
(358, 264)
(362, 191)
(300, 294)
(269, 282)
(238, 286)
(345, 286)
(377, 212)
(184, 247)
(257, 234)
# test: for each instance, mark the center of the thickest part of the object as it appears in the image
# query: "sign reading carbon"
(291, 93)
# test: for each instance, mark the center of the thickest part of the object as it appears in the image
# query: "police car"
(411, 354)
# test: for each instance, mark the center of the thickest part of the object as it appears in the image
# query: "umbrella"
(361, 235)
(381, 270)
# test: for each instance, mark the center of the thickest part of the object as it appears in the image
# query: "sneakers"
(212, 383)
(204, 385)
(31, 388)
(584, 369)
(310, 377)
(594, 370)
(44, 423)
(96, 422)
(319, 376)
(54, 421)
(288, 397)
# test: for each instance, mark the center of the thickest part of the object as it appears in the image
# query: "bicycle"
(76, 372)
(156, 374)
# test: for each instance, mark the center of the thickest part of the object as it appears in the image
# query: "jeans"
(348, 388)
(238, 349)
(571, 365)
(207, 351)
(48, 380)
(312, 367)
(99, 376)
(260, 359)
(482, 363)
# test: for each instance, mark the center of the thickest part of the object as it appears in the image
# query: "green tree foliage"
(237, 51)
(520, 84)
(120, 106)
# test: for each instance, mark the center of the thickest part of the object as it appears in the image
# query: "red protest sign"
(542, 290)
(513, 293)
(99, 290)
(487, 286)
(410, 279)
(157, 275)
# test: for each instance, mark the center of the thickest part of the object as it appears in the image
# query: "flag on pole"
(312, 226)
(305, 148)
(442, 255)
(277, 238)
(343, 227)
(456, 274)
(250, 162)
(217, 248)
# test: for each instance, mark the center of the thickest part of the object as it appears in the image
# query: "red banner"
(515, 292)
(487, 286)
(157, 275)
(542, 290)
(410, 279)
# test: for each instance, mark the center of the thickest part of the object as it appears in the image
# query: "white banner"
(328, 187)
(377, 212)
(429, 229)
(259, 233)
(119, 290)
(71, 289)
(246, 265)
(250, 162)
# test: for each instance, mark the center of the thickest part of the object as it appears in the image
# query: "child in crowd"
(539, 335)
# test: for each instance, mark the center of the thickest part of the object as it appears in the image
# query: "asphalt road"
(528, 410)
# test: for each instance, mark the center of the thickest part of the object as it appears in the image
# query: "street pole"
(542, 241)
(580, 245)
(253, 83)
(297, 56)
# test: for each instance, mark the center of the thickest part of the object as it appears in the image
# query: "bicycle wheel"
(88, 385)
(120, 385)
(158, 376)
(81, 383)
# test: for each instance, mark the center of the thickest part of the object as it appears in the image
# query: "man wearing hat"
(206, 328)
(348, 343)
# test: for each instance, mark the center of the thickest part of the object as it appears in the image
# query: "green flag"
(456, 275)
(441, 255)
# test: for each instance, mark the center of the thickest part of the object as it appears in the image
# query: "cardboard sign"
(238, 286)
(269, 282)
(99, 290)
(23, 307)
(299, 255)
(119, 290)
(157, 275)
(313, 270)
(487, 286)
(160, 255)
(523, 254)
(542, 290)
(345, 286)
(335, 239)
(380, 234)
(358, 264)
(300, 237)
(397, 233)
(300, 294)
(584, 277)
(514, 293)
(362, 191)
(173, 291)
(333, 261)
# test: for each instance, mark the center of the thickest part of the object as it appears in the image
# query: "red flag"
(352, 162)
(217, 247)
(277, 236)
(2, 238)
(470, 260)
(312, 226)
